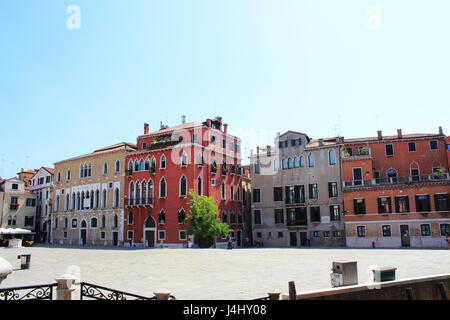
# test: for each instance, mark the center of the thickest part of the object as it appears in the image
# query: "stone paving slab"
(204, 274)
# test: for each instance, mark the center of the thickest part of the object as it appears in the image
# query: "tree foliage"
(203, 221)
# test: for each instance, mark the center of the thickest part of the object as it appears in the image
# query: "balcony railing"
(437, 177)
(139, 201)
(291, 223)
(13, 206)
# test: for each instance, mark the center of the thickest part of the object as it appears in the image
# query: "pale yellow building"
(87, 196)
(17, 206)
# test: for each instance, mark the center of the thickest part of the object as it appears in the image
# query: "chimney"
(257, 153)
(320, 142)
(146, 128)
(380, 135)
(225, 127)
(441, 132)
(399, 133)
(183, 119)
(209, 123)
(269, 149)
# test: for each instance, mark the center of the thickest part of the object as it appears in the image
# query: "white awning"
(15, 231)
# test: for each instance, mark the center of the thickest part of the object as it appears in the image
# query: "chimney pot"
(380, 135)
(399, 133)
(225, 127)
(441, 132)
(146, 128)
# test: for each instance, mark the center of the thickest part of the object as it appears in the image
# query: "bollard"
(274, 295)
(65, 287)
(25, 261)
(162, 294)
(292, 291)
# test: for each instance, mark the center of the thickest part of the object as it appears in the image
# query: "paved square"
(215, 273)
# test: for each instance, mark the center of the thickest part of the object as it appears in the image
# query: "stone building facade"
(88, 206)
(297, 199)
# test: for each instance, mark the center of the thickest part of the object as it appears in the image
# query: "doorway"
(404, 233)
(149, 232)
(115, 236)
(239, 238)
(303, 239)
(293, 239)
(83, 232)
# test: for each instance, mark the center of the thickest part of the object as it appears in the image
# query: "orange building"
(396, 190)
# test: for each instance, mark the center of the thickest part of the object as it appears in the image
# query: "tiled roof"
(188, 125)
(51, 170)
(122, 145)
(404, 136)
(326, 142)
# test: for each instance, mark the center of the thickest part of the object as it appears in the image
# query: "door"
(293, 239)
(357, 176)
(115, 238)
(83, 236)
(404, 232)
(239, 238)
(150, 238)
(303, 239)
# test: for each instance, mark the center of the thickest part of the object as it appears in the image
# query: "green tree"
(203, 221)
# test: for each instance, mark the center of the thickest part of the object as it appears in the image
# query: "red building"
(168, 163)
(396, 190)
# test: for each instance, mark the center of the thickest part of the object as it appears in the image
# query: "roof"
(50, 170)
(291, 131)
(183, 126)
(127, 146)
(326, 142)
(404, 136)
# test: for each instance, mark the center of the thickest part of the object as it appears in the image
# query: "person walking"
(230, 242)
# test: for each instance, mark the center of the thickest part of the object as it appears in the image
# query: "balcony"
(293, 223)
(425, 178)
(13, 206)
(361, 154)
(135, 202)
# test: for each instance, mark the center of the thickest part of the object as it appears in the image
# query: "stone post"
(65, 287)
(5, 269)
(274, 295)
(162, 294)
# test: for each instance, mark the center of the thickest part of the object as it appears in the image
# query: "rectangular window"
(336, 234)
(161, 235)
(295, 194)
(279, 216)
(297, 216)
(224, 143)
(359, 206)
(411, 146)
(434, 145)
(425, 230)
(256, 195)
(332, 189)
(65, 234)
(445, 229)
(442, 202)
(130, 235)
(326, 234)
(194, 138)
(401, 204)
(389, 150)
(335, 213)
(102, 235)
(257, 216)
(315, 214)
(256, 168)
(31, 202)
(14, 186)
(384, 205)
(386, 230)
(357, 176)
(361, 231)
(278, 194)
(213, 182)
(280, 234)
(29, 221)
(422, 203)
(313, 191)
(183, 235)
(316, 234)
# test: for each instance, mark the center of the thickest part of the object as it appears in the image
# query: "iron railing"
(302, 222)
(139, 201)
(95, 292)
(39, 292)
(436, 177)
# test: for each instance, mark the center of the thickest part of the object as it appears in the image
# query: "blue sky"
(316, 66)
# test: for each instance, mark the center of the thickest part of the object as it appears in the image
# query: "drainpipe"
(341, 188)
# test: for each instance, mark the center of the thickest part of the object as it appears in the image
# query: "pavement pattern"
(206, 274)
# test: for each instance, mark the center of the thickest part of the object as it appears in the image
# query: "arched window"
(68, 174)
(57, 203)
(200, 159)
(414, 171)
(162, 188)
(83, 224)
(66, 205)
(116, 221)
(97, 199)
(141, 165)
(147, 164)
(117, 168)
(162, 163)
(104, 199)
(73, 200)
(149, 222)
(392, 175)
(92, 199)
(153, 165)
(103, 221)
(89, 169)
(130, 218)
(162, 217)
(232, 193)
(9, 220)
(130, 166)
(14, 220)
(81, 171)
(74, 223)
(311, 160)
(239, 193)
(213, 165)
(181, 216)
(284, 164)
(290, 163)
(332, 157)
(136, 165)
(151, 191)
(302, 161)
(94, 222)
(82, 200)
(183, 186)
(199, 186)
(296, 162)
(144, 192)
(66, 222)
(138, 193)
(116, 197)
(223, 191)
(224, 217)
(184, 159)
(105, 168)
(78, 201)
(131, 194)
